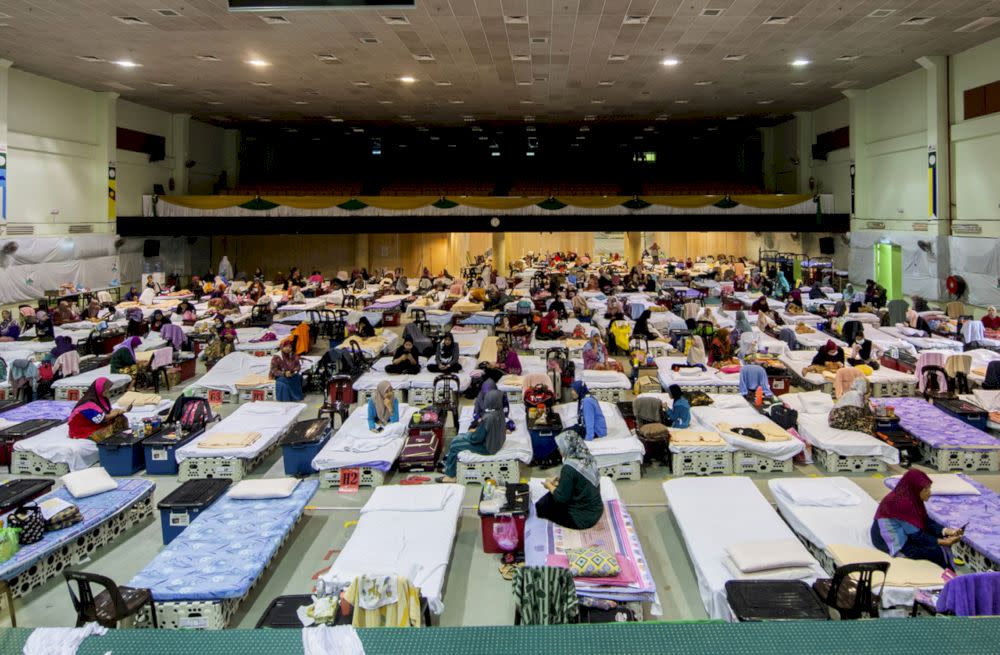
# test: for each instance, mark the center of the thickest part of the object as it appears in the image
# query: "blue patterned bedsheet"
(95, 509)
(48, 409)
(225, 549)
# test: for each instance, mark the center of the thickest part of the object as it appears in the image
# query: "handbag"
(28, 519)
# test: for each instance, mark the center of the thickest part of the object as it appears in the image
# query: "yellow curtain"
(772, 201)
(682, 202)
(398, 202)
(205, 202)
(496, 202)
(592, 202)
(307, 202)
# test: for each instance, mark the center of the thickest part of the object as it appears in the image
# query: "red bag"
(539, 395)
(45, 373)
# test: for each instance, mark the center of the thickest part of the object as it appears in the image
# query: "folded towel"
(136, 399)
(903, 572)
(253, 380)
(230, 440)
(696, 438)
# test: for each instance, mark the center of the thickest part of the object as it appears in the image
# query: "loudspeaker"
(151, 248)
(826, 245)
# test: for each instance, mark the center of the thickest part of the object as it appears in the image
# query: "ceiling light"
(635, 20)
(617, 58)
(733, 118)
(163, 84)
(670, 61)
(799, 63)
(597, 102)
(764, 102)
(734, 58)
(590, 117)
(334, 119)
(520, 57)
(259, 63)
(704, 83)
(300, 102)
(662, 117)
(529, 119)
(261, 83)
(882, 13)
(800, 83)
(711, 129)
(385, 102)
(848, 58)
(424, 57)
(360, 83)
(126, 63)
(457, 102)
(606, 83)
(527, 102)
(443, 83)
(407, 79)
(681, 102)
(207, 58)
(90, 58)
(525, 83)
(213, 102)
(584, 128)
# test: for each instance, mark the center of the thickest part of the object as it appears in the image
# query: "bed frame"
(227, 397)
(623, 471)
(364, 395)
(718, 462)
(369, 477)
(746, 462)
(74, 392)
(505, 470)
(708, 388)
(83, 547)
(834, 463)
(25, 462)
(974, 559)
(610, 395)
(229, 468)
(960, 459)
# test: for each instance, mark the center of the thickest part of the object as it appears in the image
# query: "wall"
(206, 146)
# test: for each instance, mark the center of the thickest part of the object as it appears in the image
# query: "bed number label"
(350, 480)
(259, 353)
(72, 394)
(257, 394)
(214, 397)
(180, 520)
(159, 455)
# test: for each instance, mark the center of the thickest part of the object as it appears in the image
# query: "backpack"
(933, 378)
(539, 395)
(786, 417)
(193, 413)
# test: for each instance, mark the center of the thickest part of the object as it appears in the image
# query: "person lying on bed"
(93, 417)
(286, 371)
(574, 497)
(852, 411)
(487, 439)
(590, 422)
(903, 529)
(383, 407)
(406, 360)
(446, 358)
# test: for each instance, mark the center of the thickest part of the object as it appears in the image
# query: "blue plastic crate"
(186, 502)
(122, 455)
(301, 445)
(160, 453)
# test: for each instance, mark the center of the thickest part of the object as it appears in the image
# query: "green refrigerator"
(889, 268)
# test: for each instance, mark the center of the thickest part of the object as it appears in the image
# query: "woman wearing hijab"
(721, 347)
(580, 309)
(596, 357)
(406, 360)
(156, 320)
(365, 328)
(487, 438)
(851, 412)
(558, 306)
(902, 527)
(383, 407)
(795, 298)
(123, 356)
(696, 352)
(742, 323)
(862, 352)
(815, 293)
(423, 343)
(760, 305)
(64, 313)
(590, 423)
(93, 417)
(574, 497)
(680, 412)
(831, 353)
(63, 345)
(446, 358)
(132, 295)
(508, 363)
(781, 285)
(9, 328)
(479, 409)
(286, 373)
(753, 377)
(642, 328)
(991, 321)
(548, 328)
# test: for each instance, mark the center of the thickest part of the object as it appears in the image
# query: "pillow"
(88, 482)
(814, 493)
(811, 402)
(949, 484)
(903, 572)
(592, 562)
(789, 573)
(266, 488)
(754, 556)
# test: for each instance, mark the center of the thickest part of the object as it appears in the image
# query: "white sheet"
(708, 377)
(735, 410)
(414, 544)
(603, 379)
(231, 368)
(469, 343)
(932, 342)
(516, 446)
(425, 379)
(798, 360)
(269, 418)
(618, 447)
(816, 430)
(355, 444)
(369, 380)
(86, 379)
(56, 446)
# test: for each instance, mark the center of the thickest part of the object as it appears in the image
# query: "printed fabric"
(392, 605)
(545, 595)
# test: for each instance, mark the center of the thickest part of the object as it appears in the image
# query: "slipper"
(415, 479)
(507, 572)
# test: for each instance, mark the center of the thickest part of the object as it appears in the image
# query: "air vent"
(164, 84)
(385, 102)
(456, 102)
(168, 13)
(328, 58)
(846, 84)
(520, 57)
(917, 20)
(130, 20)
(800, 83)
(734, 58)
(360, 83)
(848, 58)
(597, 102)
(207, 58)
(882, 13)
(539, 40)
(525, 83)
(90, 58)
(979, 24)
(541, 78)
(515, 20)
(635, 20)
(711, 13)
(261, 83)
(80, 228)
(778, 20)
(20, 230)
(369, 40)
(424, 57)
(396, 20)
(617, 58)
(275, 20)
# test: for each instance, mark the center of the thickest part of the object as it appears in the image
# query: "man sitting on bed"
(574, 498)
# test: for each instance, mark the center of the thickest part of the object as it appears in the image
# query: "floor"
(475, 594)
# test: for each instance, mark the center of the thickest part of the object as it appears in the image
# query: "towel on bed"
(903, 572)
(253, 380)
(573, 344)
(696, 438)
(136, 399)
(511, 381)
(770, 431)
(786, 573)
(465, 307)
(229, 440)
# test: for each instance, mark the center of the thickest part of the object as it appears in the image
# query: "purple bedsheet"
(49, 409)
(934, 427)
(982, 513)
(384, 306)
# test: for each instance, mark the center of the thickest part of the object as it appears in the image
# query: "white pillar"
(4, 77)
(633, 248)
(500, 252)
(804, 141)
(231, 156)
(361, 251)
(105, 196)
(180, 139)
(858, 105)
(938, 147)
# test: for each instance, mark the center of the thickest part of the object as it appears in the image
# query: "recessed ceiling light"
(261, 83)
(778, 20)
(163, 84)
(527, 102)
(597, 102)
(978, 24)
(300, 102)
(457, 102)
(90, 58)
(424, 57)
(360, 83)
(130, 20)
(385, 102)
(681, 102)
(442, 83)
(635, 20)
(800, 83)
(520, 57)
(670, 61)
(648, 128)
(704, 83)
(525, 83)
(207, 58)
(882, 13)
(328, 58)
(468, 118)
(606, 83)
(358, 129)
(848, 58)
(168, 13)
(799, 63)
(734, 58)
(917, 20)
(584, 128)
(407, 79)
(275, 20)
(515, 20)
(617, 58)
(259, 63)
(396, 20)
(765, 102)
(213, 102)
(126, 63)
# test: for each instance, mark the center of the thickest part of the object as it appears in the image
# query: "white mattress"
(815, 429)
(269, 418)
(231, 368)
(415, 544)
(805, 317)
(355, 444)
(713, 513)
(618, 447)
(369, 380)
(823, 526)
(30, 346)
(932, 342)
(735, 410)
(469, 343)
(517, 445)
(708, 377)
(885, 341)
(86, 379)
(603, 379)
(798, 360)
(425, 379)
(310, 303)
(814, 340)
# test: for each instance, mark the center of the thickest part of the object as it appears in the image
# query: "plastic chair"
(110, 606)
(850, 590)
(446, 394)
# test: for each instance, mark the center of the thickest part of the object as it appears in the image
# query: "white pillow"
(754, 556)
(791, 573)
(818, 492)
(949, 484)
(88, 482)
(266, 488)
(810, 402)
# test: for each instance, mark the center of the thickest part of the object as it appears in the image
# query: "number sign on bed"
(350, 480)
(257, 394)
(72, 394)
(214, 396)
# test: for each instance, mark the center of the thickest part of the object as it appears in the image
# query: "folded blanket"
(787, 573)
(770, 431)
(136, 399)
(488, 351)
(253, 380)
(573, 344)
(465, 307)
(903, 572)
(696, 438)
(230, 440)
(511, 381)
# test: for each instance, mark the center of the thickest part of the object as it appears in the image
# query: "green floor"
(475, 594)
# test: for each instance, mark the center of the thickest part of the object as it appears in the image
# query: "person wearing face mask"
(862, 352)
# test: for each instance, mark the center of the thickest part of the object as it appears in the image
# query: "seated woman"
(383, 407)
(548, 328)
(286, 371)
(423, 343)
(9, 328)
(642, 327)
(760, 305)
(64, 314)
(488, 437)
(721, 347)
(752, 378)
(580, 309)
(93, 416)
(596, 357)
(696, 354)
(508, 363)
(559, 307)
(93, 312)
(123, 358)
(132, 295)
(614, 308)
(156, 320)
(851, 412)
(590, 419)
(479, 408)
(446, 358)
(680, 413)
(228, 335)
(829, 355)
(862, 352)
(152, 284)
(815, 293)
(991, 322)
(405, 360)
(187, 312)
(574, 498)
(365, 329)
(902, 527)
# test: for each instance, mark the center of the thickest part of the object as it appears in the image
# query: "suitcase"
(9, 404)
(22, 430)
(647, 384)
(14, 493)
(123, 454)
(977, 417)
(302, 443)
(901, 440)
(422, 450)
(785, 417)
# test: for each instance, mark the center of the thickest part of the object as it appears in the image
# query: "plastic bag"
(505, 534)
(9, 543)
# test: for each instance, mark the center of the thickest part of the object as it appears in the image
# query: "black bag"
(786, 417)
(655, 438)
(28, 519)
(750, 433)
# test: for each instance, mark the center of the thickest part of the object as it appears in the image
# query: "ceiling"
(490, 59)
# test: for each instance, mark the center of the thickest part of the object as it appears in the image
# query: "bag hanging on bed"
(28, 519)
(505, 534)
(786, 417)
